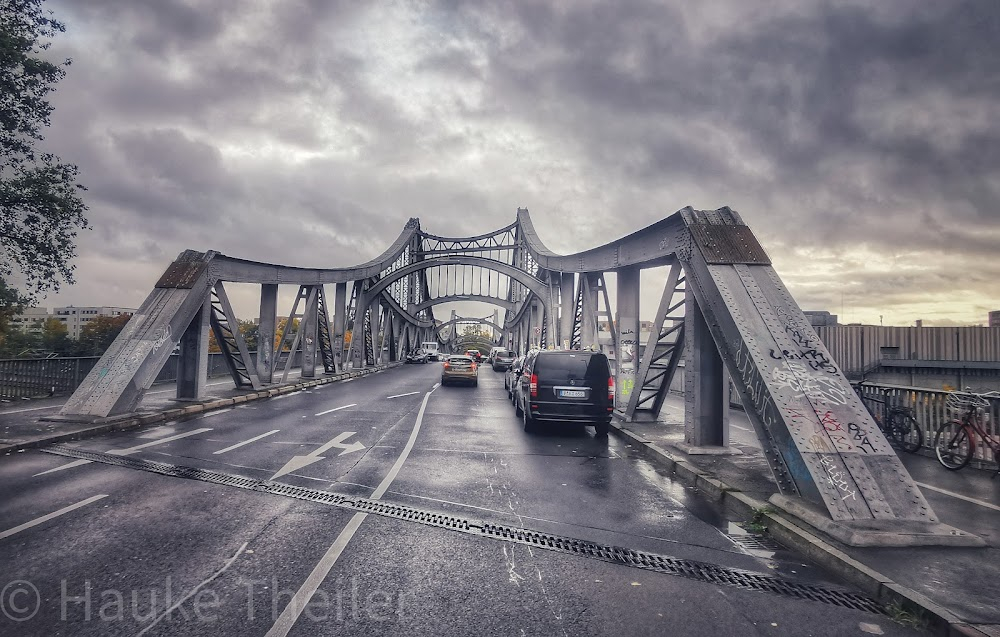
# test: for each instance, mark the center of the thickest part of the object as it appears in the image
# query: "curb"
(784, 529)
(184, 413)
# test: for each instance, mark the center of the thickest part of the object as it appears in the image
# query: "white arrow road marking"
(49, 516)
(127, 452)
(300, 600)
(297, 462)
(330, 411)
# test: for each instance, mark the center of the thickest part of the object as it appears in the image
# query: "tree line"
(53, 338)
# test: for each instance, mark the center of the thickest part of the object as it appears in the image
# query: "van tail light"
(611, 389)
(533, 385)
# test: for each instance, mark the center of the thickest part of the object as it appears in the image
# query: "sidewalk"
(954, 590)
(22, 427)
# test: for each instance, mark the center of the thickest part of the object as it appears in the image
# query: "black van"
(572, 386)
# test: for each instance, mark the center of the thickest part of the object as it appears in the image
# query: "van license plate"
(572, 393)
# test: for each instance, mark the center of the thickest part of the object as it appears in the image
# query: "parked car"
(417, 356)
(460, 368)
(500, 359)
(565, 386)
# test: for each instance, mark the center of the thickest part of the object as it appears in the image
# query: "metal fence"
(27, 378)
(31, 378)
(929, 410)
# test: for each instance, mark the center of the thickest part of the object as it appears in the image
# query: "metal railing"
(929, 410)
(35, 377)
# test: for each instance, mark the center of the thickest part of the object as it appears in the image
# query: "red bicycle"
(956, 440)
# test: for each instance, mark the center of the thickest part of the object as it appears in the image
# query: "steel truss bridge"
(722, 307)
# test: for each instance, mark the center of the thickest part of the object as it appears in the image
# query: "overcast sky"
(859, 140)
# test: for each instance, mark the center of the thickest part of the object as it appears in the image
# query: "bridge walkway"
(959, 584)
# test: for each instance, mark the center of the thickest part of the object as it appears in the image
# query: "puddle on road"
(777, 559)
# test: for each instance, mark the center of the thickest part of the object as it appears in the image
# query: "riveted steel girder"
(819, 439)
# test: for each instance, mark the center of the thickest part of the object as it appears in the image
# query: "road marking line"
(18, 411)
(194, 590)
(159, 432)
(245, 442)
(738, 427)
(328, 411)
(301, 598)
(215, 413)
(959, 496)
(126, 452)
(164, 391)
(49, 516)
(131, 450)
(347, 381)
(401, 395)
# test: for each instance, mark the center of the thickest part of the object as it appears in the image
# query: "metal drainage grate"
(701, 571)
(754, 542)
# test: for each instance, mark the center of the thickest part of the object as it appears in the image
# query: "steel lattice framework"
(723, 310)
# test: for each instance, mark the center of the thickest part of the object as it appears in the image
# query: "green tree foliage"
(41, 208)
(476, 330)
(55, 337)
(100, 333)
(249, 330)
(16, 343)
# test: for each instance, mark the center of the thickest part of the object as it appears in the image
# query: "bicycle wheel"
(905, 431)
(953, 445)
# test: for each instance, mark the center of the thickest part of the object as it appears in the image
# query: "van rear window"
(563, 367)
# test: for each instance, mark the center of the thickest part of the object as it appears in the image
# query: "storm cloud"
(858, 140)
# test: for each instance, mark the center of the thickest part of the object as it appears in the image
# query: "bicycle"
(900, 426)
(955, 441)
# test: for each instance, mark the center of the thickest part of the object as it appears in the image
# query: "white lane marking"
(301, 598)
(245, 442)
(131, 450)
(49, 516)
(384, 486)
(215, 413)
(959, 496)
(328, 411)
(19, 411)
(298, 462)
(159, 432)
(194, 590)
(298, 602)
(401, 395)
(738, 427)
(127, 452)
(164, 391)
(347, 380)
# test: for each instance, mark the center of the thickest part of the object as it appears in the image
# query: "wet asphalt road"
(148, 554)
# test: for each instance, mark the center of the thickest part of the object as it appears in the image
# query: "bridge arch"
(722, 303)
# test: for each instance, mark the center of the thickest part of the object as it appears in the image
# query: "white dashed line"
(323, 413)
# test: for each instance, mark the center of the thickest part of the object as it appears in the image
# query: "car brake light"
(447, 365)
(611, 388)
(473, 366)
(533, 385)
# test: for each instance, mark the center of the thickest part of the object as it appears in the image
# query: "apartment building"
(76, 318)
(31, 320)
